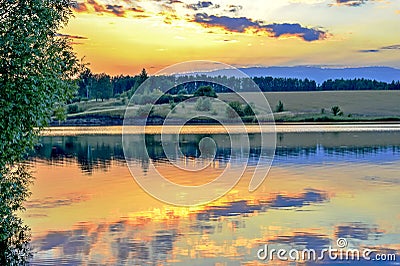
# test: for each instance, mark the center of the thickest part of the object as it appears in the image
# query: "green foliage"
(279, 107)
(37, 68)
(140, 79)
(203, 104)
(284, 84)
(124, 101)
(60, 112)
(72, 109)
(182, 92)
(147, 97)
(172, 104)
(165, 98)
(248, 110)
(206, 91)
(14, 235)
(336, 110)
(102, 87)
(358, 84)
(234, 109)
(37, 72)
(180, 98)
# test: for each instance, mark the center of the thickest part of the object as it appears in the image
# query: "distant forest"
(103, 86)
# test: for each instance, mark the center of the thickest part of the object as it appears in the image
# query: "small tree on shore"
(235, 109)
(203, 104)
(207, 91)
(336, 110)
(279, 107)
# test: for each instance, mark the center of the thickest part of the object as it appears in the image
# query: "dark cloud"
(296, 29)
(306, 198)
(391, 47)
(369, 51)
(80, 7)
(276, 30)
(228, 23)
(243, 207)
(116, 9)
(174, 2)
(352, 3)
(50, 202)
(96, 6)
(137, 9)
(202, 4)
(123, 243)
(234, 8)
(358, 231)
(71, 36)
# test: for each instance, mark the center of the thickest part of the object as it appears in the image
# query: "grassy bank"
(297, 107)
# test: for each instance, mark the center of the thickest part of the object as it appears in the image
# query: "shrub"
(237, 106)
(145, 110)
(161, 111)
(207, 91)
(235, 109)
(76, 99)
(182, 92)
(279, 107)
(336, 110)
(181, 98)
(248, 110)
(72, 109)
(165, 98)
(203, 104)
(172, 105)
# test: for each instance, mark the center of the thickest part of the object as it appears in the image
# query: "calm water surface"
(86, 208)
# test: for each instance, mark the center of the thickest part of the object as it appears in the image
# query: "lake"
(86, 208)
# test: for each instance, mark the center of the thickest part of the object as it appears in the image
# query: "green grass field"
(298, 106)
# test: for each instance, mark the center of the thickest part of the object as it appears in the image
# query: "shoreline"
(218, 129)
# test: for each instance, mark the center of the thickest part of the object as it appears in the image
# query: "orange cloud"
(91, 6)
(97, 7)
(80, 7)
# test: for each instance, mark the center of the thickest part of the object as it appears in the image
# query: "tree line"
(103, 86)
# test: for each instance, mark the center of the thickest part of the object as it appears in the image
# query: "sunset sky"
(123, 36)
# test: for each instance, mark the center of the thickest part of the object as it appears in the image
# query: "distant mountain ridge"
(320, 74)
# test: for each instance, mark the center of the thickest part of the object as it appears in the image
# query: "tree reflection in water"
(14, 235)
